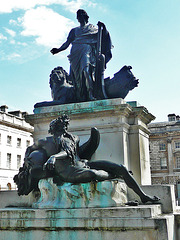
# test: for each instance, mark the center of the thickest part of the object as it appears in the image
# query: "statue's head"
(59, 124)
(82, 14)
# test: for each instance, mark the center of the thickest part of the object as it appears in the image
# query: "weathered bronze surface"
(89, 55)
(61, 157)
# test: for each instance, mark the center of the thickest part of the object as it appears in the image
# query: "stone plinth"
(123, 130)
(165, 192)
(102, 194)
(147, 222)
(142, 222)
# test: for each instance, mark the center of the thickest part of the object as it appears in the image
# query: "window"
(18, 142)
(162, 146)
(9, 140)
(177, 144)
(18, 161)
(27, 143)
(8, 163)
(177, 162)
(163, 163)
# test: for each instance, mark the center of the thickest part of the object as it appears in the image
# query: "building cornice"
(12, 121)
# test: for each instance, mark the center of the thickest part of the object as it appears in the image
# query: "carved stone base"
(102, 194)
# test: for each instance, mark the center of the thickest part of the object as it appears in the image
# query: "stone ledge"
(88, 223)
(77, 110)
(125, 212)
(165, 192)
(91, 106)
(80, 110)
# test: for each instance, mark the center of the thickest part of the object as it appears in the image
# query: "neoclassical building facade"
(165, 151)
(15, 137)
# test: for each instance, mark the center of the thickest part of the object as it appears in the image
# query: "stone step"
(144, 211)
(88, 223)
(141, 222)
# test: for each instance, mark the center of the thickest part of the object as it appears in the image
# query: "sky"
(145, 35)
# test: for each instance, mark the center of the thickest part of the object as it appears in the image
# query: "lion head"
(59, 79)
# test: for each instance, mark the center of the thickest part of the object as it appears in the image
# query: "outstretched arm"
(62, 48)
(65, 45)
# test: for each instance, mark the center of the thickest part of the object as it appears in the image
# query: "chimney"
(3, 108)
(24, 114)
(171, 117)
(17, 113)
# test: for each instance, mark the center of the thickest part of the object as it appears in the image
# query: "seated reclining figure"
(61, 157)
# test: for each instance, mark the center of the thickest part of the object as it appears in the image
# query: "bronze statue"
(63, 92)
(90, 52)
(61, 157)
(84, 56)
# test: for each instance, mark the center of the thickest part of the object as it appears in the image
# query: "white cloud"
(2, 37)
(48, 27)
(22, 44)
(10, 32)
(13, 56)
(9, 6)
(12, 41)
(13, 22)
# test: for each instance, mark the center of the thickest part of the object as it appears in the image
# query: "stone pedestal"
(147, 222)
(92, 211)
(143, 222)
(123, 130)
(85, 195)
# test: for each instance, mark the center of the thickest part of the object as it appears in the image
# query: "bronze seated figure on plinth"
(61, 157)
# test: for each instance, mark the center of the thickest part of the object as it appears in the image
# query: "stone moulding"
(78, 110)
(85, 195)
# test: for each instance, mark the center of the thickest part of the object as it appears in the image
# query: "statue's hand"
(49, 165)
(54, 50)
(101, 24)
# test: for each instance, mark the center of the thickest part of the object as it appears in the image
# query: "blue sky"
(145, 35)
